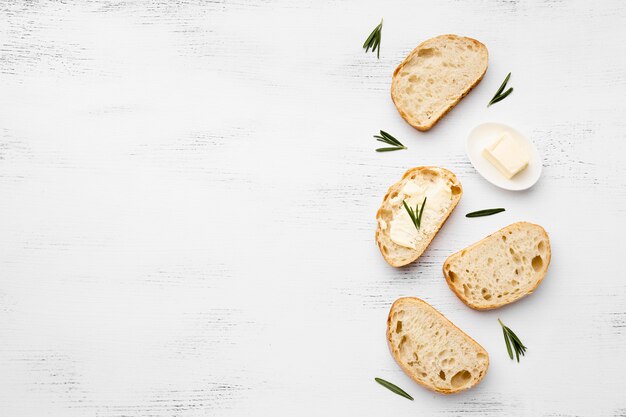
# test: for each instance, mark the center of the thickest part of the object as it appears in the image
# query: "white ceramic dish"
(484, 135)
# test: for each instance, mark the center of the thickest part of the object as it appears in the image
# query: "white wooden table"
(188, 192)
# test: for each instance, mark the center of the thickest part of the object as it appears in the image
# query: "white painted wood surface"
(187, 201)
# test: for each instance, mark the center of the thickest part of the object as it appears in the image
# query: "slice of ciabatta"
(398, 239)
(435, 76)
(501, 268)
(431, 350)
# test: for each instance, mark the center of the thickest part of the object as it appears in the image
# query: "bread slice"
(398, 240)
(435, 76)
(431, 350)
(501, 268)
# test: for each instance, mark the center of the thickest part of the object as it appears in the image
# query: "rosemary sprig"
(415, 215)
(373, 40)
(393, 388)
(512, 340)
(486, 212)
(501, 89)
(389, 140)
(499, 96)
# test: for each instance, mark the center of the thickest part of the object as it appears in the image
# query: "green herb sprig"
(393, 388)
(373, 40)
(415, 215)
(512, 340)
(385, 137)
(486, 212)
(499, 96)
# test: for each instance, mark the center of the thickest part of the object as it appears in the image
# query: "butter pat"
(507, 155)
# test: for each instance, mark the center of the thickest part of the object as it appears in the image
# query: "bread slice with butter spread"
(431, 350)
(501, 268)
(435, 76)
(398, 239)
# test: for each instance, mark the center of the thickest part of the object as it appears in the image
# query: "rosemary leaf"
(499, 96)
(390, 140)
(378, 138)
(511, 340)
(409, 210)
(393, 388)
(368, 41)
(419, 218)
(373, 40)
(389, 149)
(503, 86)
(518, 342)
(415, 215)
(486, 212)
(508, 344)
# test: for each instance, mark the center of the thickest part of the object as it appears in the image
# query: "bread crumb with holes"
(435, 76)
(501, 268)
(431, 350)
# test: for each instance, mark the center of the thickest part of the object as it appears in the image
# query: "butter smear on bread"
(438, 195)
(405, 230)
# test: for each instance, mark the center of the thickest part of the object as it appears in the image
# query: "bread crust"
(433, 122)
(397, 187)
(495, 305)
(449, 324)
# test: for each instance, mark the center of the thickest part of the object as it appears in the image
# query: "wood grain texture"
(188, 193)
